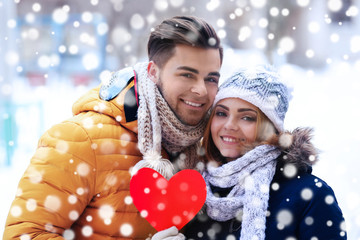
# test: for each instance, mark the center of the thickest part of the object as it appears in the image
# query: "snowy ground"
(326, 100)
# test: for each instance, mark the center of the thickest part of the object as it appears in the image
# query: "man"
(77, 184)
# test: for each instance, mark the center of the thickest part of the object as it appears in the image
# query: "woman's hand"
(169, 234)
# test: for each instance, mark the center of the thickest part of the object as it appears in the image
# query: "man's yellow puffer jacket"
(77, 184)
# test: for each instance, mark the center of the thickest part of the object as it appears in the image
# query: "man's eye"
(187, 75)
(214, 80)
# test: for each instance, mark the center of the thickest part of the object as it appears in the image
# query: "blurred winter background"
(53, 51)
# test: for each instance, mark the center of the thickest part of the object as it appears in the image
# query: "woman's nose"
(231, 124)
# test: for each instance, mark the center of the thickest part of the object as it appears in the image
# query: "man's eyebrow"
(188, 69)
(193, 70)
(217, 74)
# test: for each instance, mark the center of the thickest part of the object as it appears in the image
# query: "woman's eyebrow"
(223, 106)
(246, 110)
(239, 110)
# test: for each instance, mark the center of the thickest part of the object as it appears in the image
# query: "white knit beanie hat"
(261, 87)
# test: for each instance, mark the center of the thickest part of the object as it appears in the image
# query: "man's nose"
(199, 88)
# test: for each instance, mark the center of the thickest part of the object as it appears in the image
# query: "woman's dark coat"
(301, 206)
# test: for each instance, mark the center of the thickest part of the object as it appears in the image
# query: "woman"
(258, 177)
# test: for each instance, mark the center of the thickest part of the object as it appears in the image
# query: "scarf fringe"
(162, 166)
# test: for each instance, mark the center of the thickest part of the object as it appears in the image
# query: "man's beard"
(163, 94)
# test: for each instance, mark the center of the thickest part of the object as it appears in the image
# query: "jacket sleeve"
(323, 218)
(56, 187)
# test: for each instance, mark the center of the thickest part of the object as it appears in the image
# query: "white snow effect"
(126, 229)
(106, 212)
(306, 194)
(284, 218)
(322, 100)
(87, 231)
(83, 169)
(25, 237)
(326, 99)
(31, 205)
(290, 170)
(52, 203)
(60, 15)
(69, 234)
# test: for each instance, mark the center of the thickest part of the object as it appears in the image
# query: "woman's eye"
(220, 114)
(250, 119)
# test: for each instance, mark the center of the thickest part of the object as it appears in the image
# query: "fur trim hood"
(297, 148)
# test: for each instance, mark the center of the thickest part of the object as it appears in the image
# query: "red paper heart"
(168, 203)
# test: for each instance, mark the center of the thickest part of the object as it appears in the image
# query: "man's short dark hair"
(185, 30)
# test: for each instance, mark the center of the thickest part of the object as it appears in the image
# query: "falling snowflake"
(126, 229)
(31, 204)
(87, 231)
(290, 170)
(52, 203)
(73, 215)
(306, 194)
(62, 146)
(25, 237)
(15, 211)
(69, 234)
(284, 218)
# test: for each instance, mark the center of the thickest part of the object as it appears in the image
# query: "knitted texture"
(260, 86)
(158, 126)
(250, 176)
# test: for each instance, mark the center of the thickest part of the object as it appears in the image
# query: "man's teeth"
(227, 139)
(193, 104)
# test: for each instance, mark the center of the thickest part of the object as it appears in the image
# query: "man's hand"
(169, 234)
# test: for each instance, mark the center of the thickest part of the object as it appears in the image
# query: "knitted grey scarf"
(158, 126)
(250, 176)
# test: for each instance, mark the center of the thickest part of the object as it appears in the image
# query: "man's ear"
(153, 72)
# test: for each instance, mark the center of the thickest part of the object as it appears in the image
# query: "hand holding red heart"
(169, 234)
